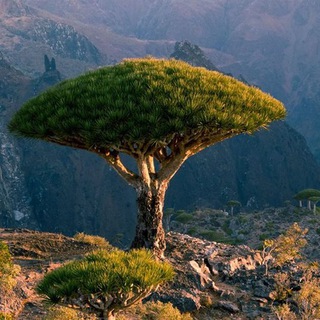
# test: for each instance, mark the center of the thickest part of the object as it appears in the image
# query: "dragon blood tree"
(159, 112)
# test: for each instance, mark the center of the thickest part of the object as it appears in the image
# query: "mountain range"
(273, 45)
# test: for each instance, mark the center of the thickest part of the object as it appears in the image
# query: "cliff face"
(15, 205)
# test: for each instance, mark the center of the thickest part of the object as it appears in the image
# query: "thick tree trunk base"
(149, 231)
(152, 239)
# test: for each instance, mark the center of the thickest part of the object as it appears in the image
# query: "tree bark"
(149, 230)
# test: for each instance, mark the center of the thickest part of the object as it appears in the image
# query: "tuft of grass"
(61, 313)
(160, 311)
(95, 240)
(65, 313)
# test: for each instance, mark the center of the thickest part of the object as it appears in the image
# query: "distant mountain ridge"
(27, 35)
(273, 44)
(192, 54)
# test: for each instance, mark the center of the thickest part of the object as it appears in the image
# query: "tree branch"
(189, 146)
(195, 146)
(150, 164)
(113, 158)
(171, 166)
(144, 170)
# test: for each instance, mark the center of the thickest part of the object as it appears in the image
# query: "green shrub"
(111, 280)
(244, 232)
(95, 240)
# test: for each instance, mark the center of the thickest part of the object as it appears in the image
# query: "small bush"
(243, 219)
(111, 280)
(270, 226)
(95, 240)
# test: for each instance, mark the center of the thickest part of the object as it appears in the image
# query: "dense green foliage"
(117, 279)
(143, 100)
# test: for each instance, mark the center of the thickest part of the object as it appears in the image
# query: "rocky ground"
(213, 280)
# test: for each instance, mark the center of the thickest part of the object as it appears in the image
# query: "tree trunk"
(149, 231)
